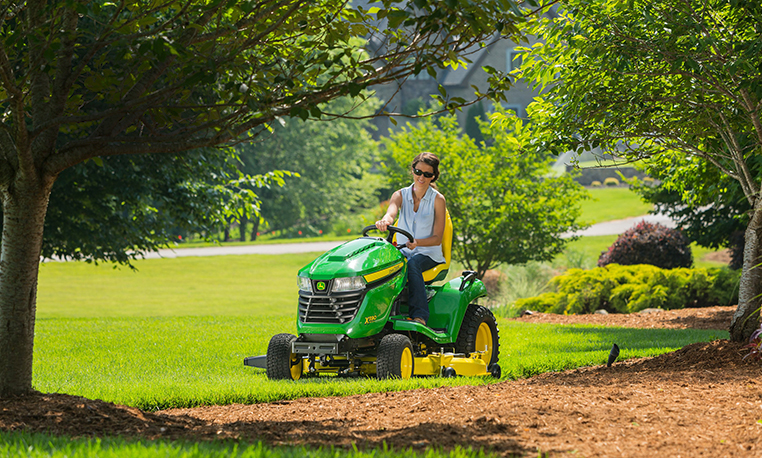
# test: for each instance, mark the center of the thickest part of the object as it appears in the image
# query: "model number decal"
(370, 319)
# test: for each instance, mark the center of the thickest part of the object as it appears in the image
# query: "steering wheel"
(392, 230)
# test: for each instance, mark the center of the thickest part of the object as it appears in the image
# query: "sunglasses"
(425, 174)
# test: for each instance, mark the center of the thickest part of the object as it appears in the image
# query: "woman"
(422, 214)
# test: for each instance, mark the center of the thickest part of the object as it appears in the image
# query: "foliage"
(628, 289)
(649, 243)
(126, 206)
(708, 206)
(505, 207)
(473, 129)
(519, 282)
(674, 82)
(754, 346)
(333, 159)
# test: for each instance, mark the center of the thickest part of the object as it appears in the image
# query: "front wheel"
(281, 363)
(395, 357)
(479, 332)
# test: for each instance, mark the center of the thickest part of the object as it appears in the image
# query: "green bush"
(628, 289)
(611, 181)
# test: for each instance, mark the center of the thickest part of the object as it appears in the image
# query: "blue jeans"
(418, 306)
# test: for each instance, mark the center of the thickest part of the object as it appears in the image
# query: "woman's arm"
(391, 213)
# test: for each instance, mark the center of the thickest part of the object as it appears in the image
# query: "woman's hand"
(382, 224)
(411, 244)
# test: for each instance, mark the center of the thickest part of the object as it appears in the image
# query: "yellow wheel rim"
(406, 363)
(484, 341)
(296, 369)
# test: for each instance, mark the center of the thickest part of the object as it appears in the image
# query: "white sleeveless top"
(420, 223)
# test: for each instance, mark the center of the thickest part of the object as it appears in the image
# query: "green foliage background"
(504, 203)
(629, 289)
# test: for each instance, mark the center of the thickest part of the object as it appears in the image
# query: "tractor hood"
(370, 257)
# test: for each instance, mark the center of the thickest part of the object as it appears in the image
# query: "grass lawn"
(608, 204)
(163, 362)
(214, 285)
(48, 446)
(175, 333)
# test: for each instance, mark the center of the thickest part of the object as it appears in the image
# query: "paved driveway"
(607, 228)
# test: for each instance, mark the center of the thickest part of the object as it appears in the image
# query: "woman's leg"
(418, 306)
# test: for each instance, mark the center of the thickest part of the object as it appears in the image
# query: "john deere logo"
(320, 286)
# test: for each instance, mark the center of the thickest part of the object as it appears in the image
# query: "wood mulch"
(702, 400)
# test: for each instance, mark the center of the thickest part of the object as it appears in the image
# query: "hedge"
(628, 289)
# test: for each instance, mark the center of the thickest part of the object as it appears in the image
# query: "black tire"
(395, 357)
(449, 372)
(471, 330)
(281, 363)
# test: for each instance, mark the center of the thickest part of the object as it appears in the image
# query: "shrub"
(649, 243)
(596, 184)
(611, 181)
(628, 289)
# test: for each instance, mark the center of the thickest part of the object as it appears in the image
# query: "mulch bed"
(702, 400)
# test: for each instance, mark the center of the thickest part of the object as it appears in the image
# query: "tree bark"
(25, 203)
(746, 317)
(255, 228)
(242, 228)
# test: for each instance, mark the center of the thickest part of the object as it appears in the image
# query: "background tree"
(661, 78)
(81, 79)
(333, 160)
(124, 206)
(505, 206)
(708, 206)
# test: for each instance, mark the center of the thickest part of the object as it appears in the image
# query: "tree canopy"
(657, 78)
(504, 204)
(333, 160)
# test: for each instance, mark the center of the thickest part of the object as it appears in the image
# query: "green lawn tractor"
(353, 318)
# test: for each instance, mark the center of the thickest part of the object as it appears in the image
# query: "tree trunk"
(255, 228)
(242, 228)
(24, 206)
(746, 318)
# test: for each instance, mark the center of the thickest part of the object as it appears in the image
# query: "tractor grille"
(329, 308)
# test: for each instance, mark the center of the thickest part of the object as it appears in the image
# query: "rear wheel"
(479, 333)
(281, 363)
(395, 357)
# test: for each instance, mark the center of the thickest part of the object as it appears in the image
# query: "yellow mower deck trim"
(466, 366)
(370, 278)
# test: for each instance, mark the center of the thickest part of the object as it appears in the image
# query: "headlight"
(348, 284)
(304, 283)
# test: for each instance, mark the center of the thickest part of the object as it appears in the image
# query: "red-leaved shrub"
(649, 243)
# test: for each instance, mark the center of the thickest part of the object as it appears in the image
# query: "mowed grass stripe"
(263, 285)
(21, 444)
(162, 362)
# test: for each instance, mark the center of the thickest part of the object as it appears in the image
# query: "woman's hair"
(430, 159)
